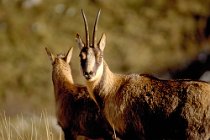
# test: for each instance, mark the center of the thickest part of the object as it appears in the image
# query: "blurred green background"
(143, 36)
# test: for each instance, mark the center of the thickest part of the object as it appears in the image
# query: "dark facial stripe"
(96, 54)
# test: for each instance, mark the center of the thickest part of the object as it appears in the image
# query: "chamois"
(77, 114)
(140, 106)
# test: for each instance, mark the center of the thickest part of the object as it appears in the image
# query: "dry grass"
(33, 127)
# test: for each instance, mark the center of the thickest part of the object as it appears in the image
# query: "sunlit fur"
(144, 107)
(76, 112)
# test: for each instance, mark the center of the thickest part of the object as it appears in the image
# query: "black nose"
(88, 74)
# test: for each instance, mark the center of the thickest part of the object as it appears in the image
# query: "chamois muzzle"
(88, 75)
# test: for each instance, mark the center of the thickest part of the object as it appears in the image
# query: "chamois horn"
(95, 28)
(86, 29)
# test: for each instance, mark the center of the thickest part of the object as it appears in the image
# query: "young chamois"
(76, 112)
(142, 106)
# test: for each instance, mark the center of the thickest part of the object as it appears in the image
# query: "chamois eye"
(82, 56)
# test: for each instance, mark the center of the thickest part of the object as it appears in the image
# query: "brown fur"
(76, 113)
(144, 107)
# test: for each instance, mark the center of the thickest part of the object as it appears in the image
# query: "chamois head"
(91, 55)
(60, 63)
(60, 58)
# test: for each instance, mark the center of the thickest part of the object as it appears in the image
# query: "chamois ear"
(51, 56)
(102, 42)
(69, 55)
(79, 41)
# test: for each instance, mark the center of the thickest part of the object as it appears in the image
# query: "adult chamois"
(77, 114)
(140, 106)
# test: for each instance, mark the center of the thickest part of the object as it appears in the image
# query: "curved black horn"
(95, 28)
(86, 28)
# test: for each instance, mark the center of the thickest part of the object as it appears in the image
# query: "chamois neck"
(107, 81)
(103, 85)
(62, 78)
